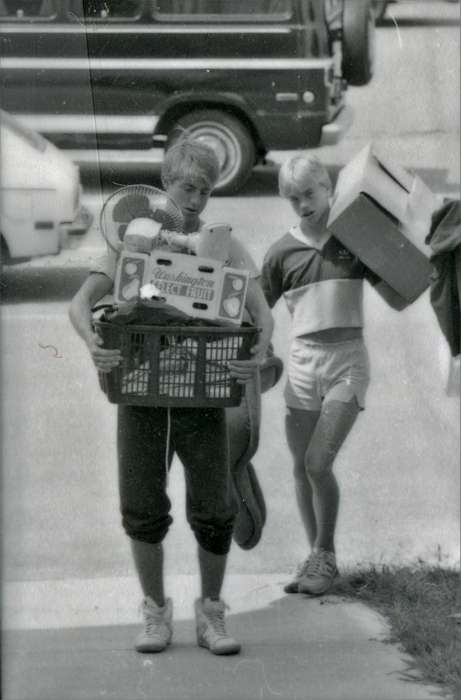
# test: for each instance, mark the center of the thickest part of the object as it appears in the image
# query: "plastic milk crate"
(174, 365)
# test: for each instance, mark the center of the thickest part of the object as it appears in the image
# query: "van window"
(222, 10)
(18, 10)
(106, 10)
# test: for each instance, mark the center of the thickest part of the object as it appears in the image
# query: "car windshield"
(34, 139)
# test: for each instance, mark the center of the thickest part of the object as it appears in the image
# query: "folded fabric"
(243, 425)
(145, 312)
(445, 290)
(251, 517)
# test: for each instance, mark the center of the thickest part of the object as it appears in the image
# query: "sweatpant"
(199, 437)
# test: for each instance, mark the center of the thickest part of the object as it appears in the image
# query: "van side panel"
(269, 93)
(118, 84)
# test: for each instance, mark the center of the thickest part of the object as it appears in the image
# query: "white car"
(40, 195)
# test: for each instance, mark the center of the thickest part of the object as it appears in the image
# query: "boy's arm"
(260, 312)
(92, 290)
(244, 370)
(271, 278)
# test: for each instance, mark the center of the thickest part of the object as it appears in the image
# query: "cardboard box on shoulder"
(382, 213)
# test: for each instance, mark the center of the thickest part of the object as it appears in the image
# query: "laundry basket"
(174, 365)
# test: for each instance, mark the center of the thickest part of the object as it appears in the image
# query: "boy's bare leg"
(148, 559)
(210, 609)
(334, 424)
(299, 427)
(212, 569)
(326, 504)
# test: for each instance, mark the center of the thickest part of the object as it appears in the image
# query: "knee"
(318, 466)
(146, 528)
(299, 471)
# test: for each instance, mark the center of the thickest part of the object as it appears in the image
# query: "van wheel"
(358, 42)
(378, 8)
(229, 139)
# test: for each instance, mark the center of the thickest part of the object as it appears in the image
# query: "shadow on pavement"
(21, 283)
(263, 181)
(295, 648)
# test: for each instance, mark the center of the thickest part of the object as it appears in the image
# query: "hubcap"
(225, 146)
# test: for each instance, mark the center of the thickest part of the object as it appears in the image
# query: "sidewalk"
(72, 639)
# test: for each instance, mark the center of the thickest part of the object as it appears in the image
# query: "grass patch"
(417, 601)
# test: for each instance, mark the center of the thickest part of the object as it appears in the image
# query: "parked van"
(111, 80)
(40, 195)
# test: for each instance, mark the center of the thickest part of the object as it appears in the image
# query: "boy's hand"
(259, 351)
(244, 370)
(105, 359)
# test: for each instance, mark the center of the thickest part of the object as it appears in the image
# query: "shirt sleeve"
(271, 279)
(105, 263)
(241, 259)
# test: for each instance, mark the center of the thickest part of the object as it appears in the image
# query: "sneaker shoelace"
(153, 619)
(216, 618)
(321, 564)
(302, 569)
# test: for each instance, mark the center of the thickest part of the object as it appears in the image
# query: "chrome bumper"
(335, 130)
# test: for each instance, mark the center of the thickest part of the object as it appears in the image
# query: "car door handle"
(286, 96)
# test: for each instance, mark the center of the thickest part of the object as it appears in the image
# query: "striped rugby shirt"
(322, 287)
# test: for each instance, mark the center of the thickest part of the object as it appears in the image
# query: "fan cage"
(135, 201)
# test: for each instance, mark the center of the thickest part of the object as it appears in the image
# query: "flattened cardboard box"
(379, 213)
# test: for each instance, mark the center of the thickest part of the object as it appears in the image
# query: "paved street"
(70, 597)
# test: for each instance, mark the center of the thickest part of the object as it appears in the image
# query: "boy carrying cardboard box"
(381, 213)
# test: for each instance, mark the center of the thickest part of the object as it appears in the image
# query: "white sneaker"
(158, 630)
(211, 628)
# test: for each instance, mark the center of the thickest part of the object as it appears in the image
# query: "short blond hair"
(295, 172)
(189, 157)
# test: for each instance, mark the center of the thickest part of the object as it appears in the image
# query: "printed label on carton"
(200, 287)
(183, 284)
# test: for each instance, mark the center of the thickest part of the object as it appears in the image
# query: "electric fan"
(138, 202)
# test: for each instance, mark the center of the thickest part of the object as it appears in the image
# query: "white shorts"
(326, 371)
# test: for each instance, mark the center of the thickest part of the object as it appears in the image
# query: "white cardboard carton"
(200, 287)
(381, 213)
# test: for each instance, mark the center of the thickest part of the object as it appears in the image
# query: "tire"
(378, 8)
(230, 140)
(358, 42)
(5, 257)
